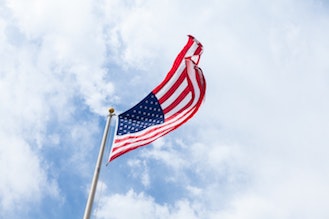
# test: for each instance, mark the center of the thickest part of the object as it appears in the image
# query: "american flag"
(172, 103)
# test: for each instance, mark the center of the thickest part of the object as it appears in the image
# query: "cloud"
(23, 179)
(142, 206)
(24, 94)
(256, 149)
(50, 73)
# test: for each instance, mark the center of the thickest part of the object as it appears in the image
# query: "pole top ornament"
(111, 110)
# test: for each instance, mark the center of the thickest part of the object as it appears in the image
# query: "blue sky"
(258, 147)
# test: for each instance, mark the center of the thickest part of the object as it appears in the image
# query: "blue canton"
(146, 113)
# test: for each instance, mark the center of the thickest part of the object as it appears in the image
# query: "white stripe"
(179, 106)
(192, 49)
(191, 72)
(175, 94)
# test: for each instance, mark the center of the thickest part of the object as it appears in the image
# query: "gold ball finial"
(111, 110)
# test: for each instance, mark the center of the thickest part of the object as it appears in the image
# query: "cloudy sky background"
(258, 148)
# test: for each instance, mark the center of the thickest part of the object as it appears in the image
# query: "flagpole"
(92, 192)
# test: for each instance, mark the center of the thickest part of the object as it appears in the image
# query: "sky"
(258, 147)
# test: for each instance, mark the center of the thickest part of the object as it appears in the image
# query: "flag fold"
(172, 103)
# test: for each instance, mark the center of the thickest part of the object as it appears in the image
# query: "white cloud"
(139, 169)
(70, 41)
(163, 151)
(142, 206)
(50, 60)
(258, 145)
(256, 149)
(23, 180)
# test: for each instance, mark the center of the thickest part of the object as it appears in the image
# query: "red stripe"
(174, 87)
(125, 151)
(198, 51)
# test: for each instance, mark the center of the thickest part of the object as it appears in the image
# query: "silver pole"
(92, 192)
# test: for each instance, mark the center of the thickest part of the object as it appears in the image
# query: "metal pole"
(92, 192)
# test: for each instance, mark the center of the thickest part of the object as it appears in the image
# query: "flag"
(172, 103)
